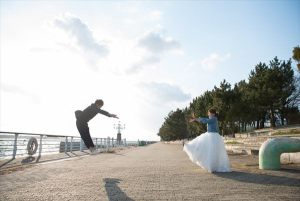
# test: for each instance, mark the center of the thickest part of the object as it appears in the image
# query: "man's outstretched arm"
(108, 114)
(114, 116)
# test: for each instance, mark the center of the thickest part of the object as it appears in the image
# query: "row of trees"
(272, 93)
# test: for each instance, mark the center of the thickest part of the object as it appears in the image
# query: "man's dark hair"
(99, 102)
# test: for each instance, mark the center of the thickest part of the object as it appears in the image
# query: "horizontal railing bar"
(16, 142)
(7, 145)
(50, 144)
(12, 140)
(48, 135)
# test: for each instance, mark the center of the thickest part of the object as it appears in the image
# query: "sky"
(142, 58)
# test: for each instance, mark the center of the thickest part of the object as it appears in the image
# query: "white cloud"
(156, 43)
(192, 64)
(156, 15)
(213, 60)
(163, 93)
(19, 91)
(127, 9)
(148, 60)
(135, 14)
(81, 36)
(160, 28)
(42, 49)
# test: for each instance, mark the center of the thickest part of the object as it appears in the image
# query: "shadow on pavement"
(7, 162)
(30, 160)
(113, 191)
(259, 178)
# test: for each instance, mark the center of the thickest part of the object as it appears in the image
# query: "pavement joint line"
(59, 160)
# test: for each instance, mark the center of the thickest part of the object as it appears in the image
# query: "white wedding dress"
(208, 151)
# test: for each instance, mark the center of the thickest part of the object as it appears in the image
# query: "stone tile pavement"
(154, 172)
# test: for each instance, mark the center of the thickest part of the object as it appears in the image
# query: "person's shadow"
(113, 190)
(260, 178)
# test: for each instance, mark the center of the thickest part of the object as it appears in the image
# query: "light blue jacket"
(212, 124)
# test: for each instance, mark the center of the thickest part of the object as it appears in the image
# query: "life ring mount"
(32, 146)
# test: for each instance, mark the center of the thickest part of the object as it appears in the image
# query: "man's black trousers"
(84, 131)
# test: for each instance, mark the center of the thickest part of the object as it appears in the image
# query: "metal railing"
(16, 144)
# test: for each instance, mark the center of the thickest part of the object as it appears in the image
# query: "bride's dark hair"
(213, 111)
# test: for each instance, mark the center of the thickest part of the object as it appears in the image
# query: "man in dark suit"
(83, 117)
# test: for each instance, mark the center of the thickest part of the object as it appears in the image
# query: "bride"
(208, 150)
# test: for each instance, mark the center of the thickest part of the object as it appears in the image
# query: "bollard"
(66, 144)
(15, 147)
(40, 151)
(112, 142)
(270, 151)
(71, 148)
(81, 147)
(107, 144)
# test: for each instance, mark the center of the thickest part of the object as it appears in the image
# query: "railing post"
(96, 143)
(112, 142)
(125, 143)
(81, 147)
(107, 144)
(15, 146)
(71, 148)
(66, 144)
(41, 140)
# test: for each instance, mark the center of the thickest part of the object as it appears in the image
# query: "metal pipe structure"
(270, 151)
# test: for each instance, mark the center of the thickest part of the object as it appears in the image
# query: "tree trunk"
(242, 126)
(272, 115)
(282, 120)
(262, 123)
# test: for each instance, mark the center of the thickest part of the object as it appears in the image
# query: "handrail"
(67, 143)
(39, 134)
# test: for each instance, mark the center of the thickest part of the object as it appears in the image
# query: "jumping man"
(83, 117)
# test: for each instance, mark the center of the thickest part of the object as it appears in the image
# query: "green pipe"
(270, 151)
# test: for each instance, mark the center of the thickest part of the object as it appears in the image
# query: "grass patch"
(234, 142)
(14, 169)
(110, 151)
(290, 132)
(252, 164)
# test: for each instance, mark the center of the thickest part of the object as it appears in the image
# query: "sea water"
(50, 144)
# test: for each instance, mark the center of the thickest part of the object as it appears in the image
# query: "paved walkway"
(155, 172)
